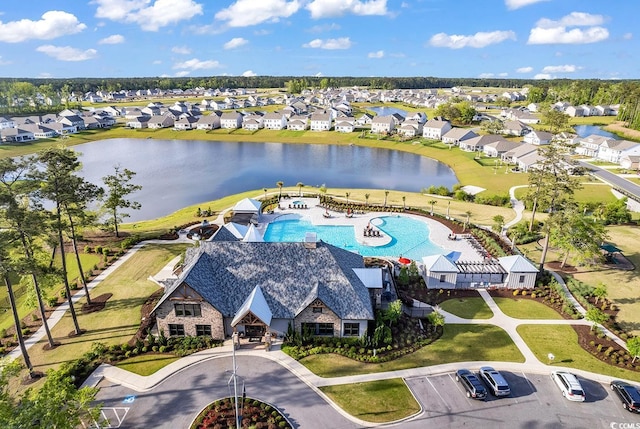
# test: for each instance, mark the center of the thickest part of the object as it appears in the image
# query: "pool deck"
(439, 233)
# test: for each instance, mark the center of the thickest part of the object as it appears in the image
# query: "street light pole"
(234, 375)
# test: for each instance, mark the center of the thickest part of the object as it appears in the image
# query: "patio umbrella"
(404, 260)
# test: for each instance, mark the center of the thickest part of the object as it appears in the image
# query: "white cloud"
(517, 4)
(114, 39)
(244, 13)
(377, 54)
(182, 73)
(181, 50)
(486, 75)
(340, 43)
(524, 70)
(52, 24)
(627, 36)
(319, 74)
(45, 75)
(249, 73)
(4, 62)
(478, 40)
(567, 68)
(67, 53)
(548, 31)
(150, 16)
(334, 8)
(196, 64)
(543, 76)
(503, 74)
(324, 28)
(234, 43)
(157, 62)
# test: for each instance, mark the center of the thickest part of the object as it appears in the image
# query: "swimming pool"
(409, 237)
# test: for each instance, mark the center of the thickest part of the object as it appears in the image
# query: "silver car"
(495, 381)
(569, 385)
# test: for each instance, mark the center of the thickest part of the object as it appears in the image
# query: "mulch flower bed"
(255, 414)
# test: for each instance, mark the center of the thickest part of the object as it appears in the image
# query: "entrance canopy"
(255, 304)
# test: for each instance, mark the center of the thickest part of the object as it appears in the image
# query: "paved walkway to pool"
(439, 233)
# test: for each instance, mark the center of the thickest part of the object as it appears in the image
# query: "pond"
(384, 111)
(178, 173)
(587, 130)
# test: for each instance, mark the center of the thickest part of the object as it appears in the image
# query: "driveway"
(174, 403)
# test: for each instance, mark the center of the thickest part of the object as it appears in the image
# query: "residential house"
(477, 144)
(275, 121)
(231, 120)
(16, 134)
(209, 122)
(630, 162)
(298, 123)
(499, 147)
(223, 288)
(364, 119)
(345, 124)
(512, 156)
(383, 124)
(163, 121)
(6, 123)
(590, 145)
(455, 135)
(538, 137)
(435, 128)
(138, 122)
(186, 122)
(72, 121)
(419, 117)
(320, 122)
(514, 128)
(253, 121)
(574, 111)
(522, 116)
(410, 128)
(612, 150)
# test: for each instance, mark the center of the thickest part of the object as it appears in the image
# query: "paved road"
(612, 179)
(173, 403)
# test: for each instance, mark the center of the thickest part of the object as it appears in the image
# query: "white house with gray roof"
(256, 288)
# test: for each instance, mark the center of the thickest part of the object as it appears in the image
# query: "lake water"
(587, 130)
(178, 173)
(384, 111)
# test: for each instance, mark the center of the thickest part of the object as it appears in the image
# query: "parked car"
(472, 384)
(628, 394)
(569, 385)
(495, 381)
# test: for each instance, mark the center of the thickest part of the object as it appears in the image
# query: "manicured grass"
(375, 401)
(591, 192)
(147, 364)
(592, 120)
(22, 292)
(120, 318)
(468, 308)
(459, 343)
(525, 309)
(562, 341)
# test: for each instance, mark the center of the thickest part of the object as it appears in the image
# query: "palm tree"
(280, 184)
(347, 195)
(404, 199)
(366, 198)
(386, 194)
(466, 224)
(448, 206)
(265, 193)
(432, 203)
(299, 185)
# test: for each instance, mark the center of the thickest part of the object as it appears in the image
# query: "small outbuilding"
(520, 272)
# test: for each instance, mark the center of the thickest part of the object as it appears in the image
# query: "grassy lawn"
(562, 341)
(119, 320)
(375, 401)
(467, 308)
(525, 309)
(622, 286)
(459, 343)
(591, 192)
(88, 260)
(592, 120)
(147, 364)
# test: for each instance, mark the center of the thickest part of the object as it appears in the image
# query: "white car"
(569, 385)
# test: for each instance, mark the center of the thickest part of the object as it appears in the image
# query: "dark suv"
(628, 394)
(475, 389)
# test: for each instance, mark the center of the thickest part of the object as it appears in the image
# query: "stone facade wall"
(327, 316)
(166, 315)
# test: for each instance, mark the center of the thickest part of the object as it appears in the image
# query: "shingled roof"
(225, 274)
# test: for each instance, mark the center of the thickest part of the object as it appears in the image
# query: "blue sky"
(445, 38)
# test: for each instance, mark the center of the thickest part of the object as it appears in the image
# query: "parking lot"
(535, 402)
